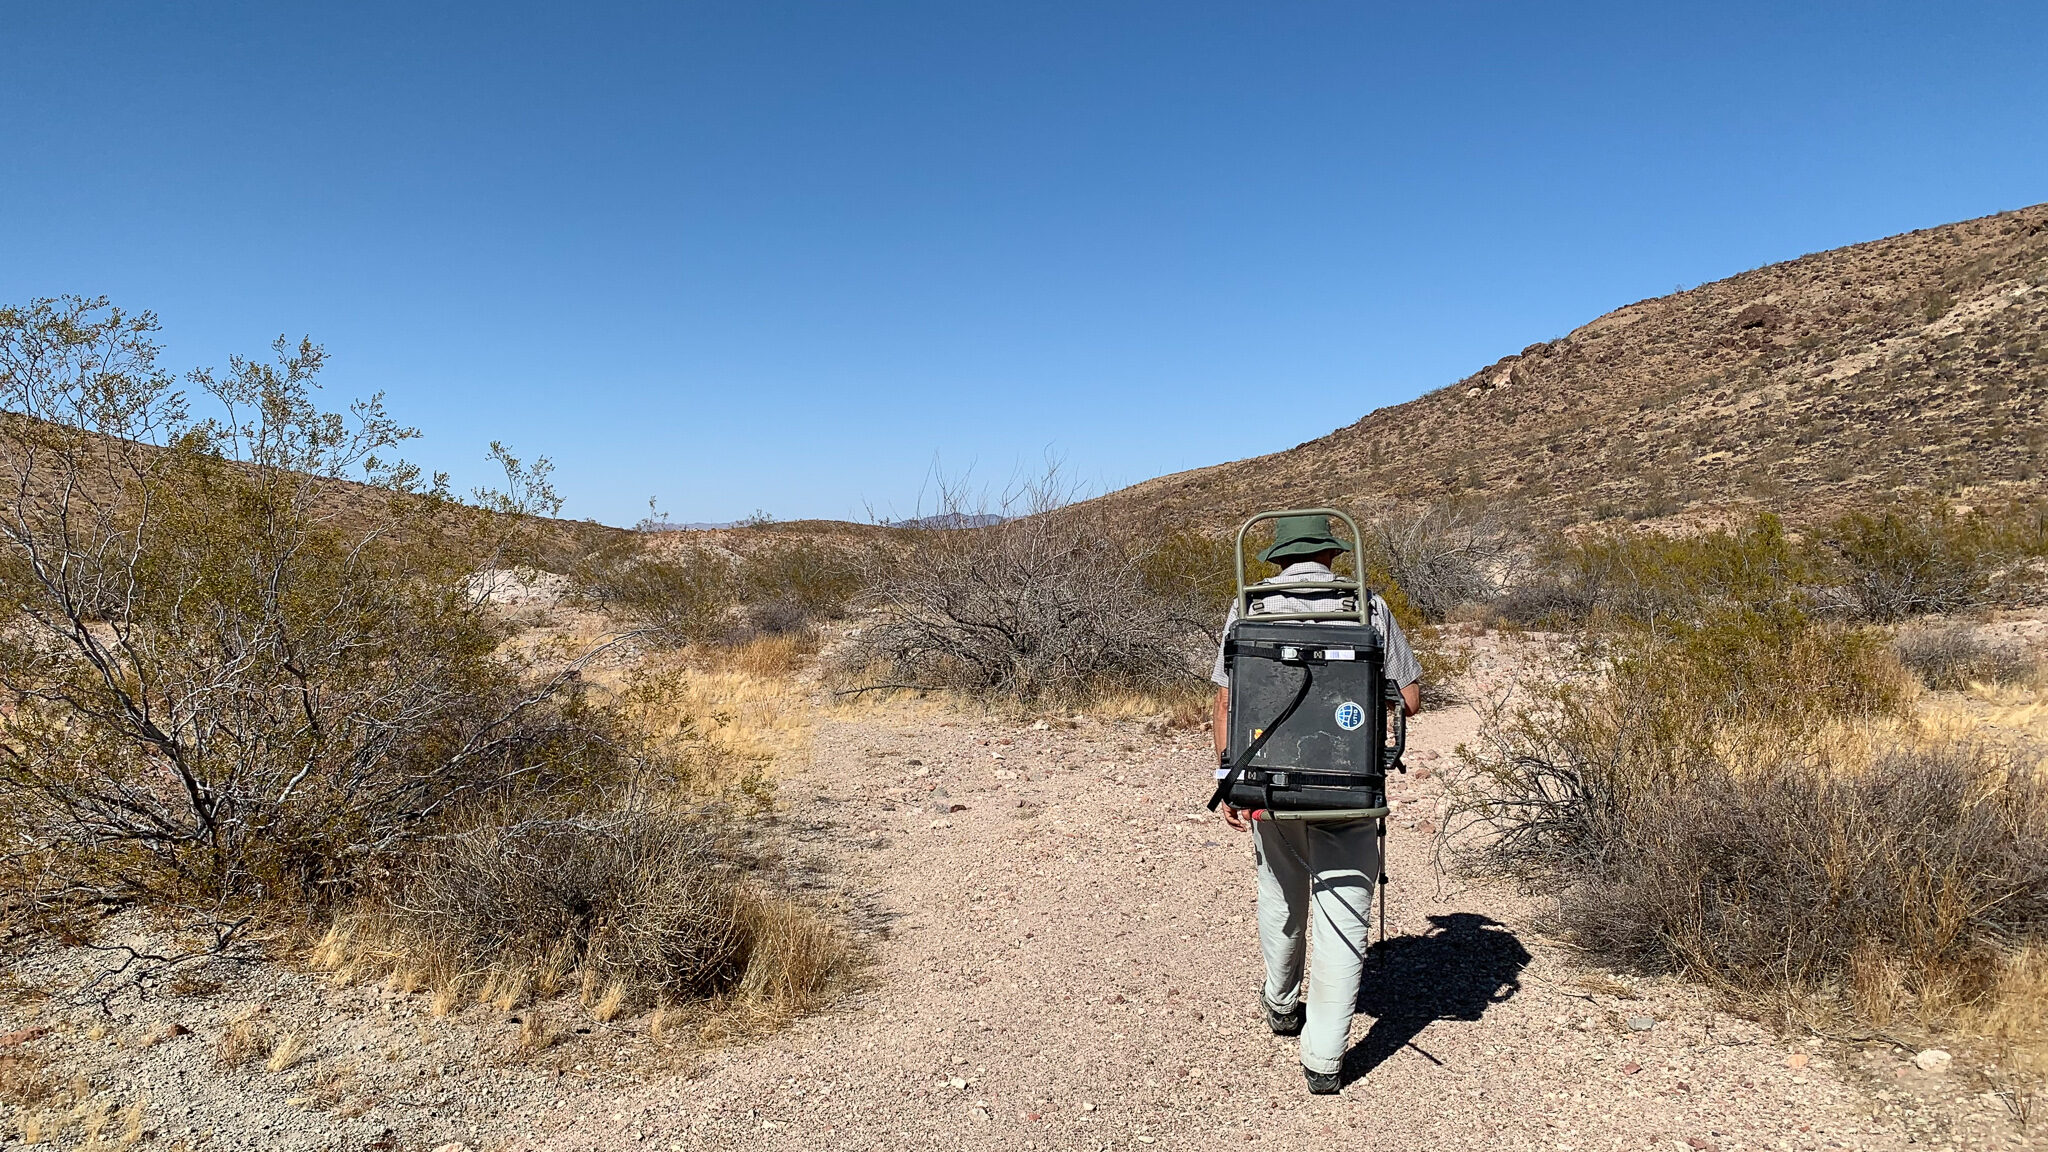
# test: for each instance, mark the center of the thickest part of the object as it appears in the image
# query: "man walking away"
(1314, 875)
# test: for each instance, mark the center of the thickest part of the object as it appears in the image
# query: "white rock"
(1932, 1060)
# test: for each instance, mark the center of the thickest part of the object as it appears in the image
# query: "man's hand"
(1237, 818)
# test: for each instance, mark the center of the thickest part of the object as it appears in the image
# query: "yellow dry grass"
(1993, 711)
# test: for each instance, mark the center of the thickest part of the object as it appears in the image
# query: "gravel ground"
(1063, 957)
(1070, 962)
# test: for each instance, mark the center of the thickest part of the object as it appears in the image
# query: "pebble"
(1640, 1023)
(1932, 1060)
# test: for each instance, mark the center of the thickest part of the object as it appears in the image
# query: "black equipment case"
(1314, 723)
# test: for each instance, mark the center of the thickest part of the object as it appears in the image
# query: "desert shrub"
(1441, 556)
(669, 904)
(1048, 606)
(1922, 558)
(231, 676)
(1194, 571)
(1624, 576)
(1953, 656)
(1902, 882)
(1697, 807)
(674, 594)
(814, 580)
(1555, 781)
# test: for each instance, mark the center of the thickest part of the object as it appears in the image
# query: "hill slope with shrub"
(1918, 362)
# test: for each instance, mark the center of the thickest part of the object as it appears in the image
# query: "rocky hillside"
(1914, 362)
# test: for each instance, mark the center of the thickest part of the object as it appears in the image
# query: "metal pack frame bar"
(1322, 814)
(1244, 602)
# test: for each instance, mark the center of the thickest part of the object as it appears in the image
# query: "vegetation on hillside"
(1917, 363)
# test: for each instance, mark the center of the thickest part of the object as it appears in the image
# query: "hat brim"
(1302, 548)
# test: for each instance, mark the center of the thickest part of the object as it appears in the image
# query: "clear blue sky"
(779, 256)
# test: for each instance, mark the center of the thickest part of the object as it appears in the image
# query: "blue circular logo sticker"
(1350, 716)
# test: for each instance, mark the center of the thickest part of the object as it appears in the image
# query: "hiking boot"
(1321, 1083)
(1286, 1023)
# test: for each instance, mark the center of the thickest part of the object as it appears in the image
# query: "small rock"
(1796, 1060)
(957, 808)
(1631, 1068)
(1087, 1106)
(1640, 1023)
(957, 1082)
(1932, 1060)
(941, 824)
(1040, 726)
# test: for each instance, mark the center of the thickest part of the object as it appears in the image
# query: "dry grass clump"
(249, 1036)
(1954, 656)
(1741, 800)
(647, 905)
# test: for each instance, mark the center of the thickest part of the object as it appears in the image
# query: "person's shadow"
(1464, 965)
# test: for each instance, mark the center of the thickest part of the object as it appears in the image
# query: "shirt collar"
(1306, 570)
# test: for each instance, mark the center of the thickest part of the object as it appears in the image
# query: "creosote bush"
(1898, 885)
(1920, 558)
(232, 677)
(676, 594)
(680, 592)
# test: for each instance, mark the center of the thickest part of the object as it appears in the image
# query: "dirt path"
(1069, 961)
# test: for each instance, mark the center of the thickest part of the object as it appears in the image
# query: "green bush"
(674, 593)
(1922, 558)
(234, 677)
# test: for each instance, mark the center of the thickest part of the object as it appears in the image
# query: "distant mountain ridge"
(1916, 362)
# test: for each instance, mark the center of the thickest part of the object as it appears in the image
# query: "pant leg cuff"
(1321, 1067)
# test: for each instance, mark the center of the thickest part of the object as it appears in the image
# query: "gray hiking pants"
(1322, 876)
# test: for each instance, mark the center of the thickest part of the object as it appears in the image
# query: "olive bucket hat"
(1299, 537)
